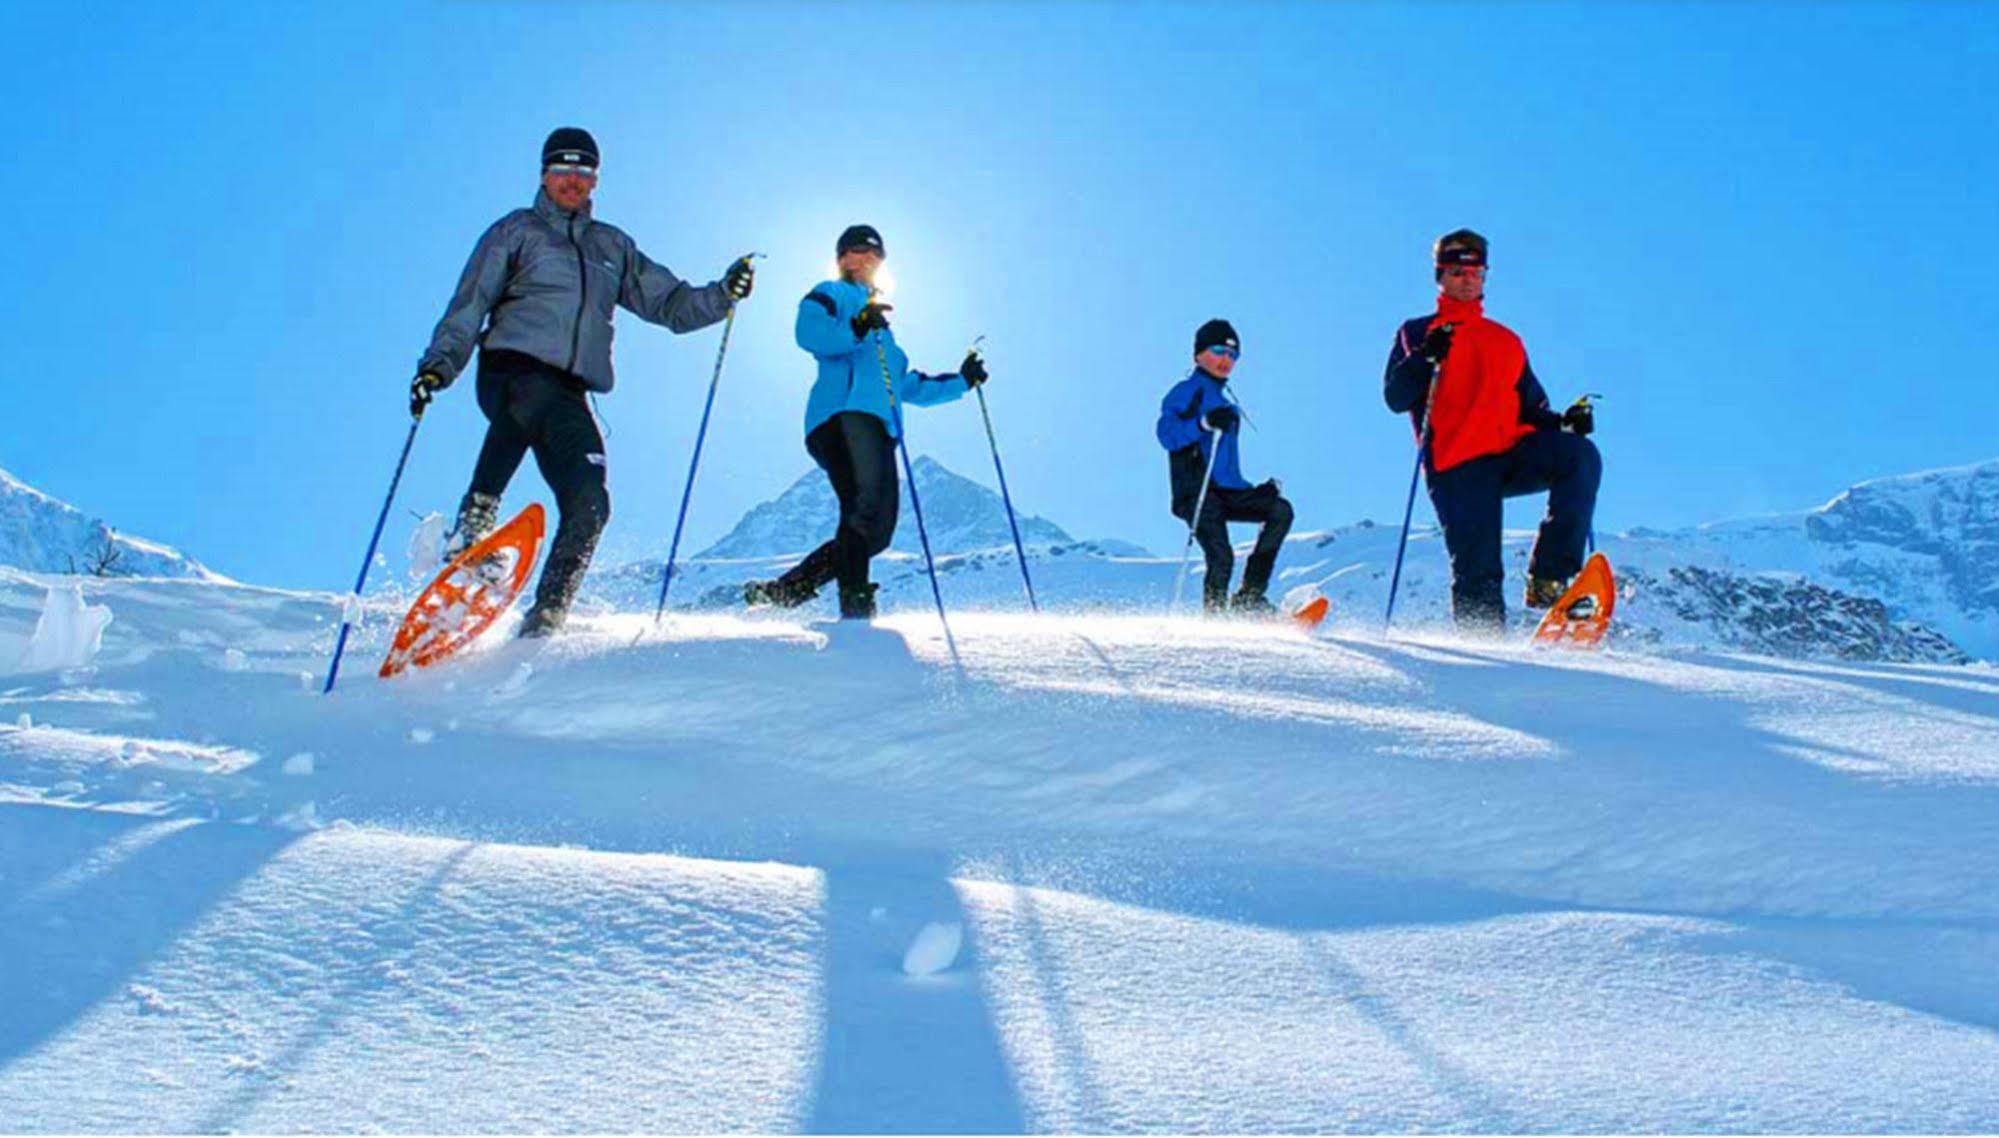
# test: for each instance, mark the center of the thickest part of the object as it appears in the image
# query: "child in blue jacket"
(1196, 407)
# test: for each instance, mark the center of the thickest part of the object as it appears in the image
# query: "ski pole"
(916, 501)
(694, 464)
(1409, 511)
(1018, 549)
(346, 616)
(1193, 523)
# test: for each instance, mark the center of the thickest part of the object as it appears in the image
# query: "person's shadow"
(903, 1053)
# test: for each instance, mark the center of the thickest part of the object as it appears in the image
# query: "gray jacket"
(543, 281)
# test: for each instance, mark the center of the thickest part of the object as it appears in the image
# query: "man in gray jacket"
(537, 299)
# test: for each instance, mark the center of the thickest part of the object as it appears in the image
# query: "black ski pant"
(1262, 504)
(532, 406)
(858, 456)
(1469, 499)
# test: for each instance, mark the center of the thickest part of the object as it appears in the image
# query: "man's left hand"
(740, 280)
(1580, 418)
(973, 369)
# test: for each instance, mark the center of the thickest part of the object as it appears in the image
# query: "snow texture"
(1203, 876)
(67, 634)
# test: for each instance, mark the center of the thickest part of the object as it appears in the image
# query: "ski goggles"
(566, 170)
(1224, 350)
(1462, 270)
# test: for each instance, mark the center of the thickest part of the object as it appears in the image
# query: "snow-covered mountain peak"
(1951, 515)
(44, 534)
(961, 514)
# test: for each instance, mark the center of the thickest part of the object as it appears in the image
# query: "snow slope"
(1207, 878)
(44, 534)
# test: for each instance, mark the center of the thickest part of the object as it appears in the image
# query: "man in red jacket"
(1487, 435)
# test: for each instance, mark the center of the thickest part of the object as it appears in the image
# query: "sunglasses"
(572, 171)
(864, 249)
(1463, 270)
(1225, 350)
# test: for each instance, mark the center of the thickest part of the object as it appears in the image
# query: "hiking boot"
(542, 622)
(783, 594)
(1253, 604)
(858, 604)
(1215, 602)
(1544, 591)
(477, 515)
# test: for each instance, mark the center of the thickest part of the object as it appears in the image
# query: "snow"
(1120, 873)
(67, 634)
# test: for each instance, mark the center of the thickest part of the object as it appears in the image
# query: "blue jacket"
(1180, 426)
(850, 369)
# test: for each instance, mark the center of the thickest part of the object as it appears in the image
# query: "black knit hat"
(569, 146)
(860, 237)
(1216, 332)
(1460, 247)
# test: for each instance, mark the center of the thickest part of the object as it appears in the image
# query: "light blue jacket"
(850, 368)
(1180, 426)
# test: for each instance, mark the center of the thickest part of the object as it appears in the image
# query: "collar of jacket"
(555, 214)
(1202, 372)
(1460, 311)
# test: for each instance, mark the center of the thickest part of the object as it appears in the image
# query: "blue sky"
(1762, 232)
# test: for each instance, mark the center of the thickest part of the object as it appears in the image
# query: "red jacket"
(1487, 397)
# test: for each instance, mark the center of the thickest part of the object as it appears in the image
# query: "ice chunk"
(426, 548)
(299, 764)
(421, 735)
(233, 660)
(934, 949)
(68, 634)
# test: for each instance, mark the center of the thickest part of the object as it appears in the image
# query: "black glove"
(973, 369)
(1222, 418)
(423, 389)
(873, 315)
(1580, 418)
(740, 279)
(1437, 344)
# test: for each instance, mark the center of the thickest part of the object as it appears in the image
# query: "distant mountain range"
(44, 534)
(1903, 568)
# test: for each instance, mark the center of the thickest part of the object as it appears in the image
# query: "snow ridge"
(44, 534)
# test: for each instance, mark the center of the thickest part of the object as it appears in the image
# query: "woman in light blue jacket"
(852, 424)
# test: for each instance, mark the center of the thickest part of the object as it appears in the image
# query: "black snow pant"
(533, 406)
(858, 456)
(1469, 501)
(1262, 504)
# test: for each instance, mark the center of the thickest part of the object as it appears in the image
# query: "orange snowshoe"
(1583, 614)
(470, 594)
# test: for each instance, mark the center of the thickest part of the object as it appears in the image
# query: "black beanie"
(1216, 332)
(1460, 247)
(860, 237)
(569, 146)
